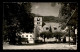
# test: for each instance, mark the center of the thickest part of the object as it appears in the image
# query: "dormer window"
(47, 28)
(55, 28)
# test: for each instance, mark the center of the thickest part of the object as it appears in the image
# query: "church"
(38, 21)
(49, 22)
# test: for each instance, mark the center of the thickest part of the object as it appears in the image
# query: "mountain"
(51, 19)
(48, 18)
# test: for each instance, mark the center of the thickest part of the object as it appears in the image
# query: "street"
(54, 46)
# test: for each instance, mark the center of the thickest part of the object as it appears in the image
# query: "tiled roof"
(50, 19)
(52, 24)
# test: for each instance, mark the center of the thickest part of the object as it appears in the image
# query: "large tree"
(69, 12)
(17, 17)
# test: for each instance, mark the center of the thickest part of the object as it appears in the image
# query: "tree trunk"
(44, 39)
(59, 39)
(64, 39)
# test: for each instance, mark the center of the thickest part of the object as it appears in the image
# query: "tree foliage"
(45, 35)
(58, 35)
(17, 17)
(66, 14)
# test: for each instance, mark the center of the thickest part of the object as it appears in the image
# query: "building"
(50, 21)
(28, 36)
(37, 26)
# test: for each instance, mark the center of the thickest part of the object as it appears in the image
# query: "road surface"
(55, 46)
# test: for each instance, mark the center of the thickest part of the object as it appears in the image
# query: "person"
(64, 39)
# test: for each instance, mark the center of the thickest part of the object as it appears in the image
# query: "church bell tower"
(37, 26)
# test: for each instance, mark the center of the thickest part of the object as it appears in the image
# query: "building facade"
(27, 37)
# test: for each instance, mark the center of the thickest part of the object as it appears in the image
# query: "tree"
(63, 26)
(58, 35)
(5, 30)
(69, 11)
(17, 17)
(26, 18)
(46, 35)
(43, 35)
(10, 12)
(50, 29)
(73, 21)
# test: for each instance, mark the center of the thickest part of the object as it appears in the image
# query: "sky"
(45, 9)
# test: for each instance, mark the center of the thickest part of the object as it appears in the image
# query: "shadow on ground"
(41, 43)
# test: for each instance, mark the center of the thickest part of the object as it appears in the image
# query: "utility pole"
(69, 34)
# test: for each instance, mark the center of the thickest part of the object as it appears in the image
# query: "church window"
(47, 28)
(38, 22)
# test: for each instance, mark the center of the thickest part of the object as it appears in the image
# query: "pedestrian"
(64, 39)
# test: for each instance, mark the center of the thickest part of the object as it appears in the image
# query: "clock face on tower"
(38, 19)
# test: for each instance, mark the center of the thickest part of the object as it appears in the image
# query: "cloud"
(46, 9)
